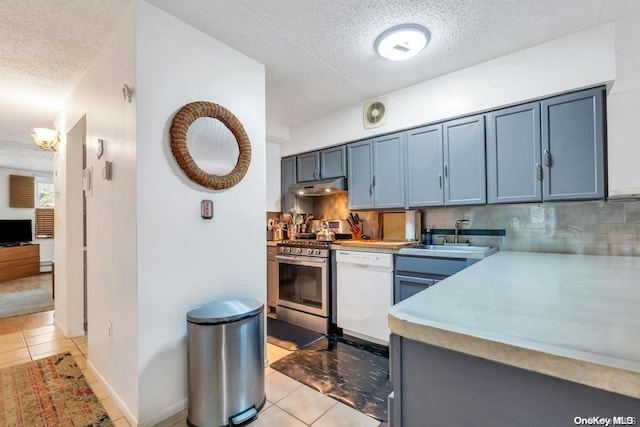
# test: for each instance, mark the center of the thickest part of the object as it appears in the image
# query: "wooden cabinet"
(291, 202)
(376, 172)
(514, 169)
(19, 261)
(324, 164)
(548, 150)
(272, 277)
(573, 146)
(464, 161)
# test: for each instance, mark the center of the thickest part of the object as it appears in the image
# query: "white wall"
(183, 260)
(580, 60)
(111, 215)
(273, 177)
(623, 104)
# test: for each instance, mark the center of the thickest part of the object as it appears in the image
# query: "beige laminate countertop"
(575, 317)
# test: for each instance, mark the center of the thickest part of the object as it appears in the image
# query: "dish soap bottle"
(428, 238)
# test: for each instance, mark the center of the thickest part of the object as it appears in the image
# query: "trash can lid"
(225, 311)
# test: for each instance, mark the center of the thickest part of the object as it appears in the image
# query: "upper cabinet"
(292, 202)
(323, 164)
(425, 167)
(376, 172)
(514, 170)
(548, 150)
(464, 161)
(573, 146)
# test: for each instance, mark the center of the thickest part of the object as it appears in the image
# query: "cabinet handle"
(440, 179)
(539, 169)
(547, 158)
(373, 183)
(446, 170)
(315, 173)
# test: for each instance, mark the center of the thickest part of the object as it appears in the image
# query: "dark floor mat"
(288, 336)
(354, 374)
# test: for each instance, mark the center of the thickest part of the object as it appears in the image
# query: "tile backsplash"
(587, 227)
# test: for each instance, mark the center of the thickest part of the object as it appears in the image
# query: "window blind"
(44, 222)
(21, 191)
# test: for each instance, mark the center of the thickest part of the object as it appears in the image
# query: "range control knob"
(287, 250)
(298, 251)
(309, 251)
(317, 252)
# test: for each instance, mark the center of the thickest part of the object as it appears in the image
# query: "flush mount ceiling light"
(46, 139)
(401, 42)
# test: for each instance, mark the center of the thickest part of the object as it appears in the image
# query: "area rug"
(25, 302)
(288, 336)
(49, 392)
(353, 373)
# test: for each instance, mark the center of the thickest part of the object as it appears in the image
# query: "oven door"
(303, 284)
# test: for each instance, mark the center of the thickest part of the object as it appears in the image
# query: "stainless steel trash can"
(225, 363)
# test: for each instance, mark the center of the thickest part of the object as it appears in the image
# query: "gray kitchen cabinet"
(333, 162)
(291, 202)
(360, 170)
(388, 171)
(308, 166)
(424, 167)
(573, 146)
(464, 161)
(376, 172)
(323, 164)
(514, 169)
(272, 277)
(413, 274)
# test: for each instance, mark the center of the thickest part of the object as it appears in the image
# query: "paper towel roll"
(410, 225)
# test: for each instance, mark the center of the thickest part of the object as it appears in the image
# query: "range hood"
(319, 188)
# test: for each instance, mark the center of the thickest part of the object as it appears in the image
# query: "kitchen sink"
(450, 251)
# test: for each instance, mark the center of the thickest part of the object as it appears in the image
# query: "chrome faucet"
(458, 222)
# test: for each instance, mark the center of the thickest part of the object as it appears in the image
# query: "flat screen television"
(14, 231)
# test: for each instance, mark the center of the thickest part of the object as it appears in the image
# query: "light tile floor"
(289, 402)
(34, 336)
(293, 404)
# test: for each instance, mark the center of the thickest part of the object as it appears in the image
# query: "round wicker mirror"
(182, 139)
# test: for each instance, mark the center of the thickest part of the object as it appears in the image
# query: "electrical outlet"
(109, 331)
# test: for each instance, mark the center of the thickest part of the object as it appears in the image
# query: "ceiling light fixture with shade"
(402, 41)
(46, 139)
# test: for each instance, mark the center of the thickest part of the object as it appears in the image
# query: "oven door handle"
(301, 260)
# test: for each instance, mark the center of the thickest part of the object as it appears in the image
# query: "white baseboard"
(131, 419)
(66, 334)
(164, 414)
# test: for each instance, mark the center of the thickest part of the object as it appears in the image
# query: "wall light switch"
(206, 209)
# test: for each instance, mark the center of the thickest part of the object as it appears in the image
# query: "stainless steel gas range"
(304, 283)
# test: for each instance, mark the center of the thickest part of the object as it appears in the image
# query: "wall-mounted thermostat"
(206, 209)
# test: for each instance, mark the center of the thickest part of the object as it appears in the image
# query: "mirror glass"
(212, 146)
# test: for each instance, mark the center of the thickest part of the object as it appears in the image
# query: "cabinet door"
(425, 167)
(333, 162)
(407, 286)
(514, 171)
(388, 171)
(573, 146)
(308, 165)
(464, 161)
(290, 202)
(360, 169)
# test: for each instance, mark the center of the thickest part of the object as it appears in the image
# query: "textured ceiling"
(45, 48)
(318, 55)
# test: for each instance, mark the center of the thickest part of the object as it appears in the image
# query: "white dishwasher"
(365, 293)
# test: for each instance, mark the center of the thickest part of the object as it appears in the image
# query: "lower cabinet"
(450, 388)
(414, 274)
(272, 277)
